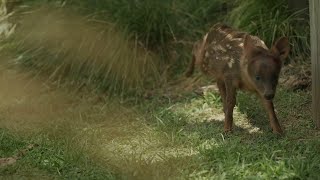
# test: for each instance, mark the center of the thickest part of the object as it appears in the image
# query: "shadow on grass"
(213, 130)
(199, 118)
(238, 155)
(252, 107)
(242, 154)
(293, 110)
(262, 158)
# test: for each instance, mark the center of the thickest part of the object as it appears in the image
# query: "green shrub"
(157, 23)
(167, 25)
(272, 19)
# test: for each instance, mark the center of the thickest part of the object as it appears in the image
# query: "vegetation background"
(162, 33)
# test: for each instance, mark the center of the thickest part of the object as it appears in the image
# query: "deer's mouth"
(268, 96)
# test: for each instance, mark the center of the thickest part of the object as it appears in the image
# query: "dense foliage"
(158, 23)
(167, 29)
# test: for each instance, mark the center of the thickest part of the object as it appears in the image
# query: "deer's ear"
(248, 45)
(281, 48)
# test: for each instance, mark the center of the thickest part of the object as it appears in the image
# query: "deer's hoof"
(227, 130)
(278, 132)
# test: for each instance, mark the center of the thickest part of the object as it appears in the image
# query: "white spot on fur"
(221, 31)
(241, 45)
(231, 62)
(214, 42)
(229, 36)
(220, 48)
(225, 58)
(207, 54)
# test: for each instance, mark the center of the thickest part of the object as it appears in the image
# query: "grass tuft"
(84, 52)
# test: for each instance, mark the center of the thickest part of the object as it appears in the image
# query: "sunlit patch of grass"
(201, 117)
(67, 46)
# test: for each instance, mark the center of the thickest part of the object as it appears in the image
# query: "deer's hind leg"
(222, 91)
(230, 102)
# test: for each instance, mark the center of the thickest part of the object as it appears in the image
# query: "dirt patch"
(12, 160)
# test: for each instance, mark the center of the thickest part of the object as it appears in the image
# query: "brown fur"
(238, 60)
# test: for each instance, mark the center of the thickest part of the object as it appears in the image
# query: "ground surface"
(110, 132)
(176, 139)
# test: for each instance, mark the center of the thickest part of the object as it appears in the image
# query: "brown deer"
(237, 60)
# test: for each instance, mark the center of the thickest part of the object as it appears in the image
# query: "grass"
(163, 137)
(157, 23)
(251, 151)
(262, 159)
(176, 134)
(48, 160)
(84, 51)
(167, 28)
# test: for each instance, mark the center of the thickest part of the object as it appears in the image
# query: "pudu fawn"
(237, 60)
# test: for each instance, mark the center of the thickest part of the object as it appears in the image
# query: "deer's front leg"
(222, 90)
(274, 123)
(230, 103)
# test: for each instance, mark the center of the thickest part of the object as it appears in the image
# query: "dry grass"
(65, 45)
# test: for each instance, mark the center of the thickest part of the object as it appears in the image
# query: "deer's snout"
(269, 96)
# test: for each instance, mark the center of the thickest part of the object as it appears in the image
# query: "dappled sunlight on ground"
(209, 109)
(107, 130)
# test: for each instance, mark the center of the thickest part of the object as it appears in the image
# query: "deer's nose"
(269, 96)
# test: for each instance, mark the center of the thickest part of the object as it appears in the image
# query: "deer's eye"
(258, 78)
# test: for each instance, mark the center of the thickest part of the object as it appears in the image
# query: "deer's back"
(223, 52)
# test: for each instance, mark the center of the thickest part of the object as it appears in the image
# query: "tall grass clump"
(272, 19)
(68, 46)
(158, 25)
(145, 39)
